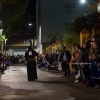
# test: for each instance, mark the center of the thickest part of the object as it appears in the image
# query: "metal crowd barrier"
(93, 67)
(79, 64)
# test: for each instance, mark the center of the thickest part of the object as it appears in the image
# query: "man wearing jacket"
(65, 57)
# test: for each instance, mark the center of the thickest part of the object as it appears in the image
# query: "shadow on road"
(51, 82)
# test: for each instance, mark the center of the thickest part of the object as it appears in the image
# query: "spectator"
(66, 57)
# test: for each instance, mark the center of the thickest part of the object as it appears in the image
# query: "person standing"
(31, 64)
(66, 57)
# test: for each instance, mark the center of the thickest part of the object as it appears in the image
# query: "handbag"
(59, 66)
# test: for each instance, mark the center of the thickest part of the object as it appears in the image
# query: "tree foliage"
(55, 36)
(12, 11)
(84, 21)
(3, 37)
(70, 39)
(87, 19)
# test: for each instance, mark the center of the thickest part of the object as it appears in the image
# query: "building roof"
(84, 31)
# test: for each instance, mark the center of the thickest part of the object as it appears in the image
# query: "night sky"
(54, 15)
(31, 7)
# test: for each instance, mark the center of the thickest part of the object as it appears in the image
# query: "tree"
(84, 21)
(58, 35)
(87, 19)
(70, 39)
(55, 36)
(12, 11)
(44, 45)
(18, 25)
(51, 38)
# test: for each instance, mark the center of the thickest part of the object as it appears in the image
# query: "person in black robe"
(31, 64)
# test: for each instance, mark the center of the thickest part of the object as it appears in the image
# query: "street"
(50, 85)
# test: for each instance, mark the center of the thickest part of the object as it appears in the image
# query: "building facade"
(17, 43)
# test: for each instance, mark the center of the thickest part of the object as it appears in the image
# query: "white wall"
(9, 52)
(15, 52)
(19, 53)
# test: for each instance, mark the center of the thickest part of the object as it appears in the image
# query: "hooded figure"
(31, 63)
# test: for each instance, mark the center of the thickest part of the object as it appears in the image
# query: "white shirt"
(64, 57)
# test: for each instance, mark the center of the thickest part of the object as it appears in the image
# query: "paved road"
(51, 85)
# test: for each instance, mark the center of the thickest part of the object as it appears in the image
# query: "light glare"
(30, 24)
(98, 7)
(83, 1)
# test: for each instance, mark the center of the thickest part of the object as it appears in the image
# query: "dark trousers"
(65, 67)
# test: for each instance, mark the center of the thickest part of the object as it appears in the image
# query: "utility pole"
(69, 7)
(1, 29)
(38, 25)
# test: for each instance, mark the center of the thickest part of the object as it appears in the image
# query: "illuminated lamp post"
(98, 7)
(1, 29)
(0, 36)
(1, 32)
(1, 40)
(38, 25)
(83, 1)
(30, 24)
(5, 45)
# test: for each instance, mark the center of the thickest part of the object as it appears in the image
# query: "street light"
(1, 32)
(30, 24)
(5, 45)
(1, 29)
(83, 1)
(98, 8)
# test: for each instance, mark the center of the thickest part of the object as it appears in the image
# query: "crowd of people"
(17, 59)
(77, 62)
(6, 61)
(89, 52)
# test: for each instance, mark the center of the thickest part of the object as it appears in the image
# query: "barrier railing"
(81, 63)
